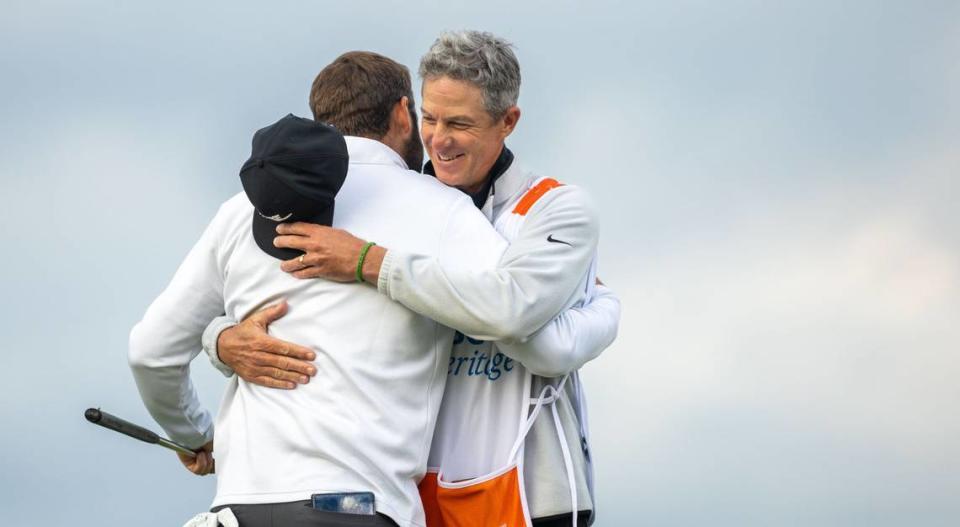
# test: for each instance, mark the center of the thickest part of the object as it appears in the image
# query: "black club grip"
(97, 416)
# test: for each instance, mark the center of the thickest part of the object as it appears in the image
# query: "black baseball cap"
(295, 170)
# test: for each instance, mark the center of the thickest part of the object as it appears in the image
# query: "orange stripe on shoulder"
(534, 194)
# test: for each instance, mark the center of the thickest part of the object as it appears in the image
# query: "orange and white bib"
(476, 461)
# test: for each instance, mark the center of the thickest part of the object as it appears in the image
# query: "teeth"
(451, 158)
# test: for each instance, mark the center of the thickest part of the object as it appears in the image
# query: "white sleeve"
(575, 337)
(209, 341)
(534, 280)
(168, 338)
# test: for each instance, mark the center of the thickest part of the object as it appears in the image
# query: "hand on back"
(258, 358)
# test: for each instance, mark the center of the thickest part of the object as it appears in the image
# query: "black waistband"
(564, 520)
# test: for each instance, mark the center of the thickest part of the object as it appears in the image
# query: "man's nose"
(441, 136)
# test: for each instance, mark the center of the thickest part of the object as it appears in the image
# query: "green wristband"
(363, 256)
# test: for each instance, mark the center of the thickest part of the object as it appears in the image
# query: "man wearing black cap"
(295, 171)
(471, 83)
(350, 449)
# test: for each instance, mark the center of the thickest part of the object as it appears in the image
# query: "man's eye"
(459, 126)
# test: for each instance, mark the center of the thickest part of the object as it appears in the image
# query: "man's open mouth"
(451, 158)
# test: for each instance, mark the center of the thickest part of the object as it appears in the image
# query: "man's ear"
(509, 121)
(401, 116)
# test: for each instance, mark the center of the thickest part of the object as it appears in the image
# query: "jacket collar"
(511, 183)
(370, 152)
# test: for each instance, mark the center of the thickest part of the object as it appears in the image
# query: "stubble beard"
(413, 148)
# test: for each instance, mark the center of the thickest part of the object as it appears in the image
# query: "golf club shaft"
(176, 447)
(112, 422)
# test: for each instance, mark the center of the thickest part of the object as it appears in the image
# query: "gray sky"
(777, 184)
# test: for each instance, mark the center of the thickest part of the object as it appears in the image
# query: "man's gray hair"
(479, 58)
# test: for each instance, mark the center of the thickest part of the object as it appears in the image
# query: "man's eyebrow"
(460, 119)
(453, 118)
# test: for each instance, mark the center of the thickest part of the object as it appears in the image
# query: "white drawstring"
(539, 402)
(550, 395)
(567, 462)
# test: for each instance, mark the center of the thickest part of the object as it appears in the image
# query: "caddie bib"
(475, 477)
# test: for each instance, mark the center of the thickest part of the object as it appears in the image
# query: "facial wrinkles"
(458, 133)
(444, 144)
(443, 135)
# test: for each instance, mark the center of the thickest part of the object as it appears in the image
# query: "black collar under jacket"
(500, 166)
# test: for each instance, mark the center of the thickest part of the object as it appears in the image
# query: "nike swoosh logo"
(554, 240)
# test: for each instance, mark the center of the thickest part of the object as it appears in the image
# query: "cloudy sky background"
(778, 185)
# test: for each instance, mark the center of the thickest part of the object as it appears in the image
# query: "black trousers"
(301, 514)
(562, 520)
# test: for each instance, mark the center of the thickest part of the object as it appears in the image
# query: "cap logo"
(276, 217)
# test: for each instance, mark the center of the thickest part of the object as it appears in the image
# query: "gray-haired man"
(470, 88)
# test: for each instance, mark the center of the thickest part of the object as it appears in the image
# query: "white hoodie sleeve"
(168, 338)
(538, 275)
(575, 337)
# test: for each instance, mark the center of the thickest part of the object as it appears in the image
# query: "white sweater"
(545, 271)
(365, 421)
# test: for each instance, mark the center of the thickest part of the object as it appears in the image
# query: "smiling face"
(462, 139)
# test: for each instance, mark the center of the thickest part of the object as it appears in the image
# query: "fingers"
(300, 243)
(263, 365)
(275, 346)
(309, 272)
(279, 373)
(287, 375)
(267, 315)
(277, 378)
(200, 465)
(294, 367)
(319, 268)
(262, 343)
(299, 228)
(203, 464)
(270, 382)
(295, 264)
(328, 253)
